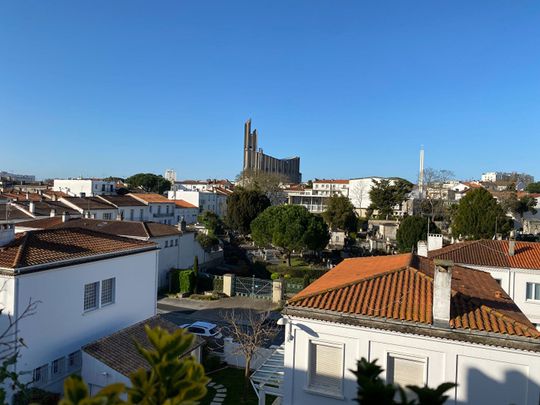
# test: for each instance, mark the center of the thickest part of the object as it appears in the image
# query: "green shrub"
(211, 362)
(36, 396)
(204, 297)
(275, 276)
(186, 281)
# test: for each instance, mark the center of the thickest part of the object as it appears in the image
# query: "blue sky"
(100, 88)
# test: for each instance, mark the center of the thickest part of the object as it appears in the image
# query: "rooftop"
(492, 253)
(89, 203)
(331, 181)
(150, 197)
(136, 229)
(122, 200)
(49, 247)
(184, 204)
(119, 350)
(400, 288)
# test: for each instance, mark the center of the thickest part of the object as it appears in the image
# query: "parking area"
(183, 311)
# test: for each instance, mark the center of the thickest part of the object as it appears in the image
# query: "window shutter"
(407, 371)
(326, 367)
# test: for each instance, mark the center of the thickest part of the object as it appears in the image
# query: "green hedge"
(182, 281)
(186, 281)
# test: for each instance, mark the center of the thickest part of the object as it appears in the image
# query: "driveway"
(182, 310)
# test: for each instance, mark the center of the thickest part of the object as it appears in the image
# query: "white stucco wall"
(84, 187)
(98, 375)
(60, 325)
(484, 374)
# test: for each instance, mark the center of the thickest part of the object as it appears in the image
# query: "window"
(141, 214)
(107, 291)
(103, 187)
(159, 209)
(58, 367)
(166, 243)
(40, 374)
(176, 242)
(91, 296)
(167, 209)
(150, 208)
(326, 367)
(533, 291)
(107, 215)
(404, 370)
(131, 214)
(74, 360)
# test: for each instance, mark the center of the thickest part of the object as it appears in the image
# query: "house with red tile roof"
(425, 321)
(514, 264)
(82, 285)
(214, 200)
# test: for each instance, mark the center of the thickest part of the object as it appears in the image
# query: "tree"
(243, 206)
(207, 242)
(290, 228)
(340, 214)
(212, 222)
(270, 184)
(149, 183)
(413, 229)
(372, 390)
(533, 187)
(386, 194)
(250, 331)
(519, 206)
(172, 379)
(479, 215)
(435, 199)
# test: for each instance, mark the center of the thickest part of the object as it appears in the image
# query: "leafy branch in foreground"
(171, 379)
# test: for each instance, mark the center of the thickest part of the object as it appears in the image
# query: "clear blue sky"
(100, 88)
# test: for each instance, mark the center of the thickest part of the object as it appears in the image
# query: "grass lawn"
(233, 379)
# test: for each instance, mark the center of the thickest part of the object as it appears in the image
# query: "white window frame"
(321, 390)
(405, 356)
(535, 286)
(97, 297)
(58, 367)
(43, 373)
(113, 292)
(74, 361)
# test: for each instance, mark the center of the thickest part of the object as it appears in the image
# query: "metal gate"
(253, 287)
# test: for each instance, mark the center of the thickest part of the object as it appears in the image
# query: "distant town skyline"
(111, 89)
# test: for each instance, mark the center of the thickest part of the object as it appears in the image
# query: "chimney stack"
(7, 234)
(182, 225)
(65, 216)
(442, 292)
(422, 248)
(53, 212)
(32, 207)
(511, 247)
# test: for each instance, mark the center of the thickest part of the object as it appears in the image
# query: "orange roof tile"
(493, 253)
(388, 288)
(58, 245)
(150, 197)
(184, 204)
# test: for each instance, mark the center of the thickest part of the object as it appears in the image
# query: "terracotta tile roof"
(54, 245)
(119, 352)
(150, 197)
(492, 253)
(88, 203)
(43, 208)
(184, 204)
(133, 229)
(11, 213)
(122, 200)
(401, 288)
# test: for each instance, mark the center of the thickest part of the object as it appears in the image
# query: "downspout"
(156, 281)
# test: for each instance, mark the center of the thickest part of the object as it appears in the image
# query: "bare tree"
(251, 331)
(271, 184)
(436, 198)
(10, 345)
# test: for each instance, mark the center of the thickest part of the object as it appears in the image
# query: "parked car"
(205, 329)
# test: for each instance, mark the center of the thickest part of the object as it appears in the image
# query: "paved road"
(182, 311)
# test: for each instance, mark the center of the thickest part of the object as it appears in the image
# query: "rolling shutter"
(326, 368)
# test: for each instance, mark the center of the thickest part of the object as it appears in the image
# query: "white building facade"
(84, 187)
(79, 299)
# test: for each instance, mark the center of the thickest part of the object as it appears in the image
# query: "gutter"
(485, 338)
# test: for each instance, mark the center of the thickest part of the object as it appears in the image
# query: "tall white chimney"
(32, 207)
(7, 234)
(53, 212)
(511, 247)
(442, 292)
(65, 216)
